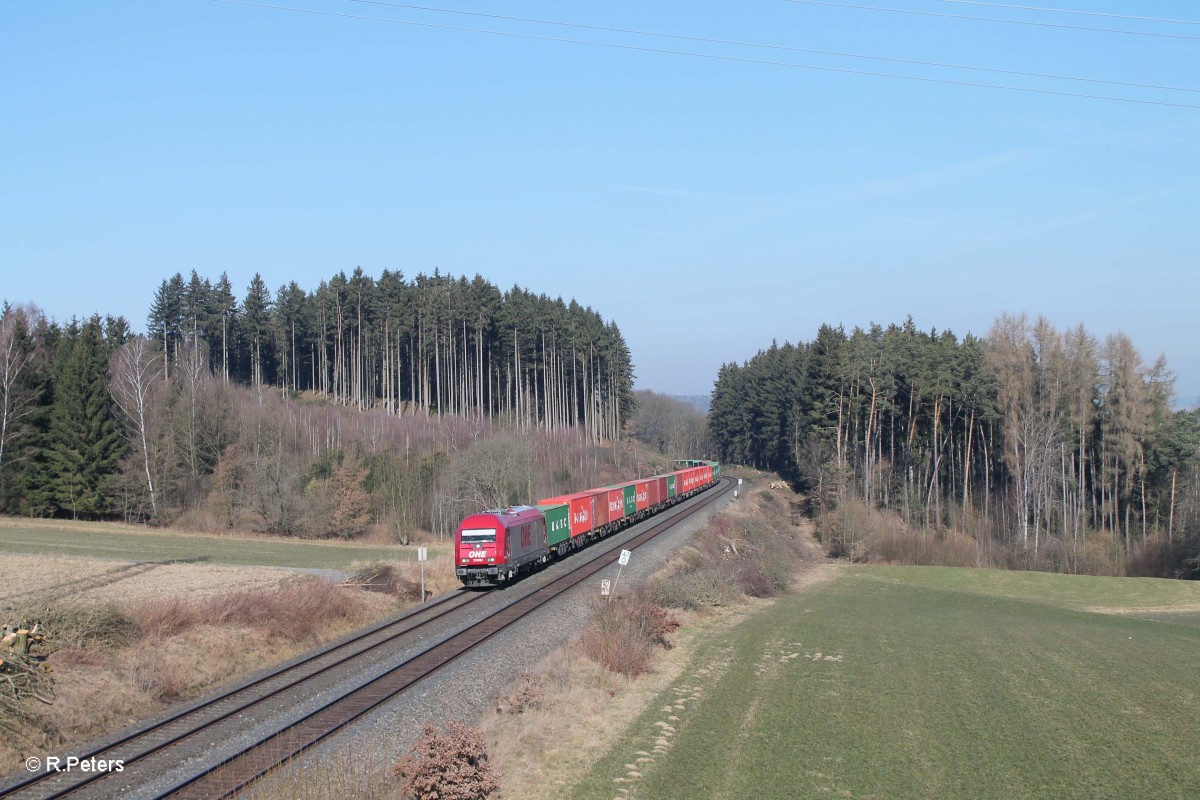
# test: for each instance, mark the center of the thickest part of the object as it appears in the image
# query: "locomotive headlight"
(491, 561)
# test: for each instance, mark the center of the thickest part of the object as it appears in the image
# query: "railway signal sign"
(622, 560)
(422, 557)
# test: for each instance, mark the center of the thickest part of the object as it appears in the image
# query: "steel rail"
(235, 772)
(77, 781)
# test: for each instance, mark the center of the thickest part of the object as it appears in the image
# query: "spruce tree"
(83, 443)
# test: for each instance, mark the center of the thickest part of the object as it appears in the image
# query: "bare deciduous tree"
(136, 369)
(18, 398)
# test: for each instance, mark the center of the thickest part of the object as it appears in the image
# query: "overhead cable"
(712, 56)
(995, 19)
(707, 40)
(1075, 11)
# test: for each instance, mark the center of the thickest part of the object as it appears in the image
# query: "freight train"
(494, 547)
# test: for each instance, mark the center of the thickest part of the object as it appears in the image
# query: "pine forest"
(1030, 447)
(367, 400)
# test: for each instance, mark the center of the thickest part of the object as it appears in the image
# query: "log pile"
(24, 672)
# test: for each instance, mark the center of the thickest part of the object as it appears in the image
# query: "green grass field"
(931, 683)
(93, 540)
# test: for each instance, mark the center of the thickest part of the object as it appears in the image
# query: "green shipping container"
(630, 500)
(716, 470)
(558, 525)
(670, 486)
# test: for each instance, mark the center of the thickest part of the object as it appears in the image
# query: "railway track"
(283, 743)
(211, 711)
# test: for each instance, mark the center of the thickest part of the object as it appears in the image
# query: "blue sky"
(708, 205)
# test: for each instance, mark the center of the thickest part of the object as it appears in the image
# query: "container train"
(495, 547)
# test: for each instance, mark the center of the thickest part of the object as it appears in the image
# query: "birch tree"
(136, 371)
(19, 352)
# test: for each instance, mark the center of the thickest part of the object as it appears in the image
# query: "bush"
(693, 589)
(448, 766)
(621, 635)
(1159, 558)
(166, 617)
(527, 695)
(920, 549)
(295, 611)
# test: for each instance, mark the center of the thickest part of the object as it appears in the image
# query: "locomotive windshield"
(475, 535)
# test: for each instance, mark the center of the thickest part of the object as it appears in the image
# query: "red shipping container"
(601, 515)
(658, 490)
(642, 493)
(614, 502)
(583, 511)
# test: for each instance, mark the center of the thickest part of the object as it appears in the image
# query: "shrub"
(451, 765)
(920, 549)
(150, 672)
(1159, 558)
(295, 611)
(693, 589)
(527, 695)
(166, 617)
(621, 635)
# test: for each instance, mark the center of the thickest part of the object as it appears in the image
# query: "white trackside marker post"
(605, 587)
(422, 557)
(622, 561)
(737, 488)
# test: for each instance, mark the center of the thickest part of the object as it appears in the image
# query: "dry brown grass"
(339, 776)
(114, 666)
(98, 580)
(527, 695)
(582, 709)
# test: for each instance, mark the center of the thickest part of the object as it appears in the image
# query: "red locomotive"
(494, 547)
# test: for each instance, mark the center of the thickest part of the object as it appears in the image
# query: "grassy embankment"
(931, 683)
(128, 543)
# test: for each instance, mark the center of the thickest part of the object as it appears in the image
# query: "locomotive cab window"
(478, 535)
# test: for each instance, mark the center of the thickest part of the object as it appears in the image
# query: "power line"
(712, 56)
(839, 54)
(996, 19)
(1074, 11)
